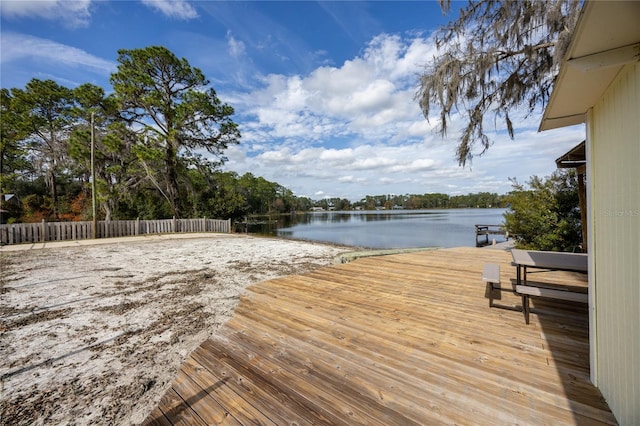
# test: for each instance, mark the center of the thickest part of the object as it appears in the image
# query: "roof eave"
(605, 39)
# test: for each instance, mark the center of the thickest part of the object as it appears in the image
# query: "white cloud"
(74, 13)
(178, 9)
(420, 165)
(375, 96)
(355, 129)
(351, 179)
(370, 97)
(345, 172)
(373, 163)
(420, 128)
(20, 46)
(370, 169)
(337, 156)
(236, 47)
(332, 81)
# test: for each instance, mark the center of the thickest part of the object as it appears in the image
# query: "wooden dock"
(403, 339)
(486, 230)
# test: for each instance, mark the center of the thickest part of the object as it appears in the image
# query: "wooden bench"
(526, 291)
(491, 275)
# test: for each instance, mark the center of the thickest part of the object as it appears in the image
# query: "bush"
(546, 216)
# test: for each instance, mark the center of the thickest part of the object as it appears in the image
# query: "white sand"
(93, 332)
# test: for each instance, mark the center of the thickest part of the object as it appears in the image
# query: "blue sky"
(323, 91)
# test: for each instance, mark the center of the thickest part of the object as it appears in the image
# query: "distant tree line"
(430, 201)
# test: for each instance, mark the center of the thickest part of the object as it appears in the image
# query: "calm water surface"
(389, 229)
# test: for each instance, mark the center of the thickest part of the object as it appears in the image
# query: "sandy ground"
(94, 333)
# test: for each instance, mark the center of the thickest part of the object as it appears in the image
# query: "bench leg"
(491, 289)
(525, 307)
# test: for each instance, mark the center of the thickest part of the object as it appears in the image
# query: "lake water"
(386, 229)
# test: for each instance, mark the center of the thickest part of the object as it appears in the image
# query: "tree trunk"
(173, 191)
(54, 193)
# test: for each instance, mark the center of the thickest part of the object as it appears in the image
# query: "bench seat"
(552, 294)
(526, 291)
(491, 275)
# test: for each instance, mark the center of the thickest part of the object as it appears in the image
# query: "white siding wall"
(614, 150)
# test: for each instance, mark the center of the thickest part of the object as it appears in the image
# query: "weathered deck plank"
(400, 339)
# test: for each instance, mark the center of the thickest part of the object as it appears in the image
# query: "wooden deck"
(394, 340)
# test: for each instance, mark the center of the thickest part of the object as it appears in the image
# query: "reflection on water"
(383, 229)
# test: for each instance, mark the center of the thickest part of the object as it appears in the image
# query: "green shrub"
(546, 214)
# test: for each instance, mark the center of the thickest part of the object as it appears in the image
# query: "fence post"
(229, 226)
(174, 225)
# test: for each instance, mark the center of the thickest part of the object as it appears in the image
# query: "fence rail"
(19, 233)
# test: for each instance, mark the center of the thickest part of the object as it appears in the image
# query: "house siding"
(614, 151)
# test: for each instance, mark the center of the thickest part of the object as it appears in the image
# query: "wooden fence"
(18, 233)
